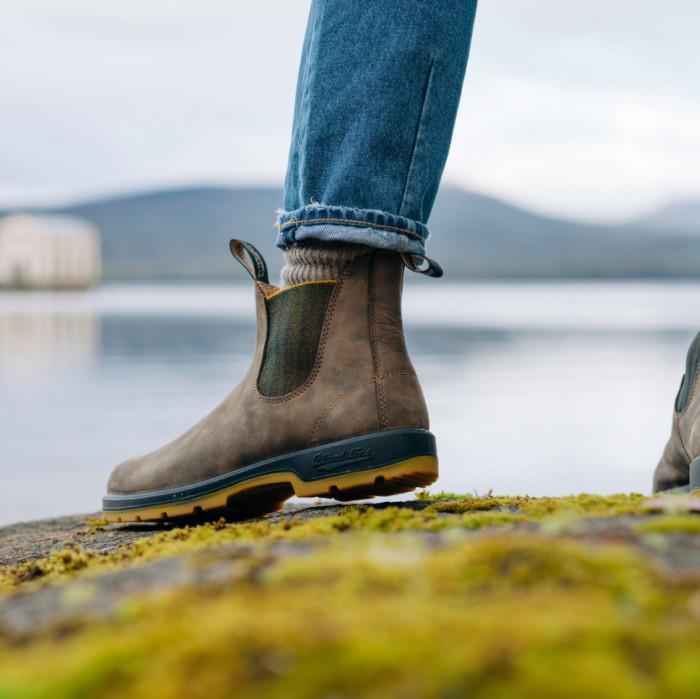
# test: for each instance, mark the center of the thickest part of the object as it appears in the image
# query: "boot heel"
(402, 477)
(695, 477)
(382, 463)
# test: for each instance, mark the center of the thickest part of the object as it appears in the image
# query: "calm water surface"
(533, 388)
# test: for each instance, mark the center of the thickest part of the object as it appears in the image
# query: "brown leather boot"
(679, 468)
(331, 407)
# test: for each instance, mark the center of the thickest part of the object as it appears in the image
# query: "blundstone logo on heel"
(335, 460)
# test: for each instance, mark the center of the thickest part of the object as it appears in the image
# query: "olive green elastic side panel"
(295, 321)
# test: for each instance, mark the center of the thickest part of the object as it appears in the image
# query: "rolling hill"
(183, 233)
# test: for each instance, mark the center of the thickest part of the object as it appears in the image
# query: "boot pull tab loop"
(422, 265)
(249, 256)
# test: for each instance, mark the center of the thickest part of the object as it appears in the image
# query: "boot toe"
(126, 478)
(172, 466)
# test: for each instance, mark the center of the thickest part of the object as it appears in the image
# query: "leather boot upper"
(359, 380)
(683, 445)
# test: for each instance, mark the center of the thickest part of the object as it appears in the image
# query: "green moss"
(670, 524)
(63, 564)
(464, 512)
(595, 505)
(56, 564)
(383, 603)
(472, 503)
(499, 616)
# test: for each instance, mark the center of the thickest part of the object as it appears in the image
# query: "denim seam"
(375, 348)
(318, 424)
(309, 222)
(303, 107)
(416, 138)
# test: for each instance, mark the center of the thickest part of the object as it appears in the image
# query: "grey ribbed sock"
(312, 260)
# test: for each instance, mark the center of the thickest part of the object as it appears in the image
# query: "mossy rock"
(445, 596)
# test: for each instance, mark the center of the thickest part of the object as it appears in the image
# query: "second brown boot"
(679, 467)
(330, 407)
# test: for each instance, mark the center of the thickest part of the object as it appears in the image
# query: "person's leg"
(331, 405)
(377, 94)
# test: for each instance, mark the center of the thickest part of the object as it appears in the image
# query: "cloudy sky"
(587, 109)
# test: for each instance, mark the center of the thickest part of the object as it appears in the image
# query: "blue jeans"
(376, 101)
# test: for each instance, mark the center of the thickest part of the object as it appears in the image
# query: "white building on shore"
(48, 252)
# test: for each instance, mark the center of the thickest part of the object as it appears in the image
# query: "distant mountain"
(479, 236)
(678, 217)
(184, 233)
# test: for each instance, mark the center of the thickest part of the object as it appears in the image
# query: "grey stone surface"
(29, 541)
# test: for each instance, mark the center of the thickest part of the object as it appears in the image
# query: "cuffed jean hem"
(376, 229)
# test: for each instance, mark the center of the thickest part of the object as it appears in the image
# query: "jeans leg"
(377, 95)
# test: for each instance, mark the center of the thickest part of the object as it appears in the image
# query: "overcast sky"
(588, 109)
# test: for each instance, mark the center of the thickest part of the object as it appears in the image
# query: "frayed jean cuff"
(370, 227)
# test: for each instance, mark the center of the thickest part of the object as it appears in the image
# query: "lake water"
(538, 388)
